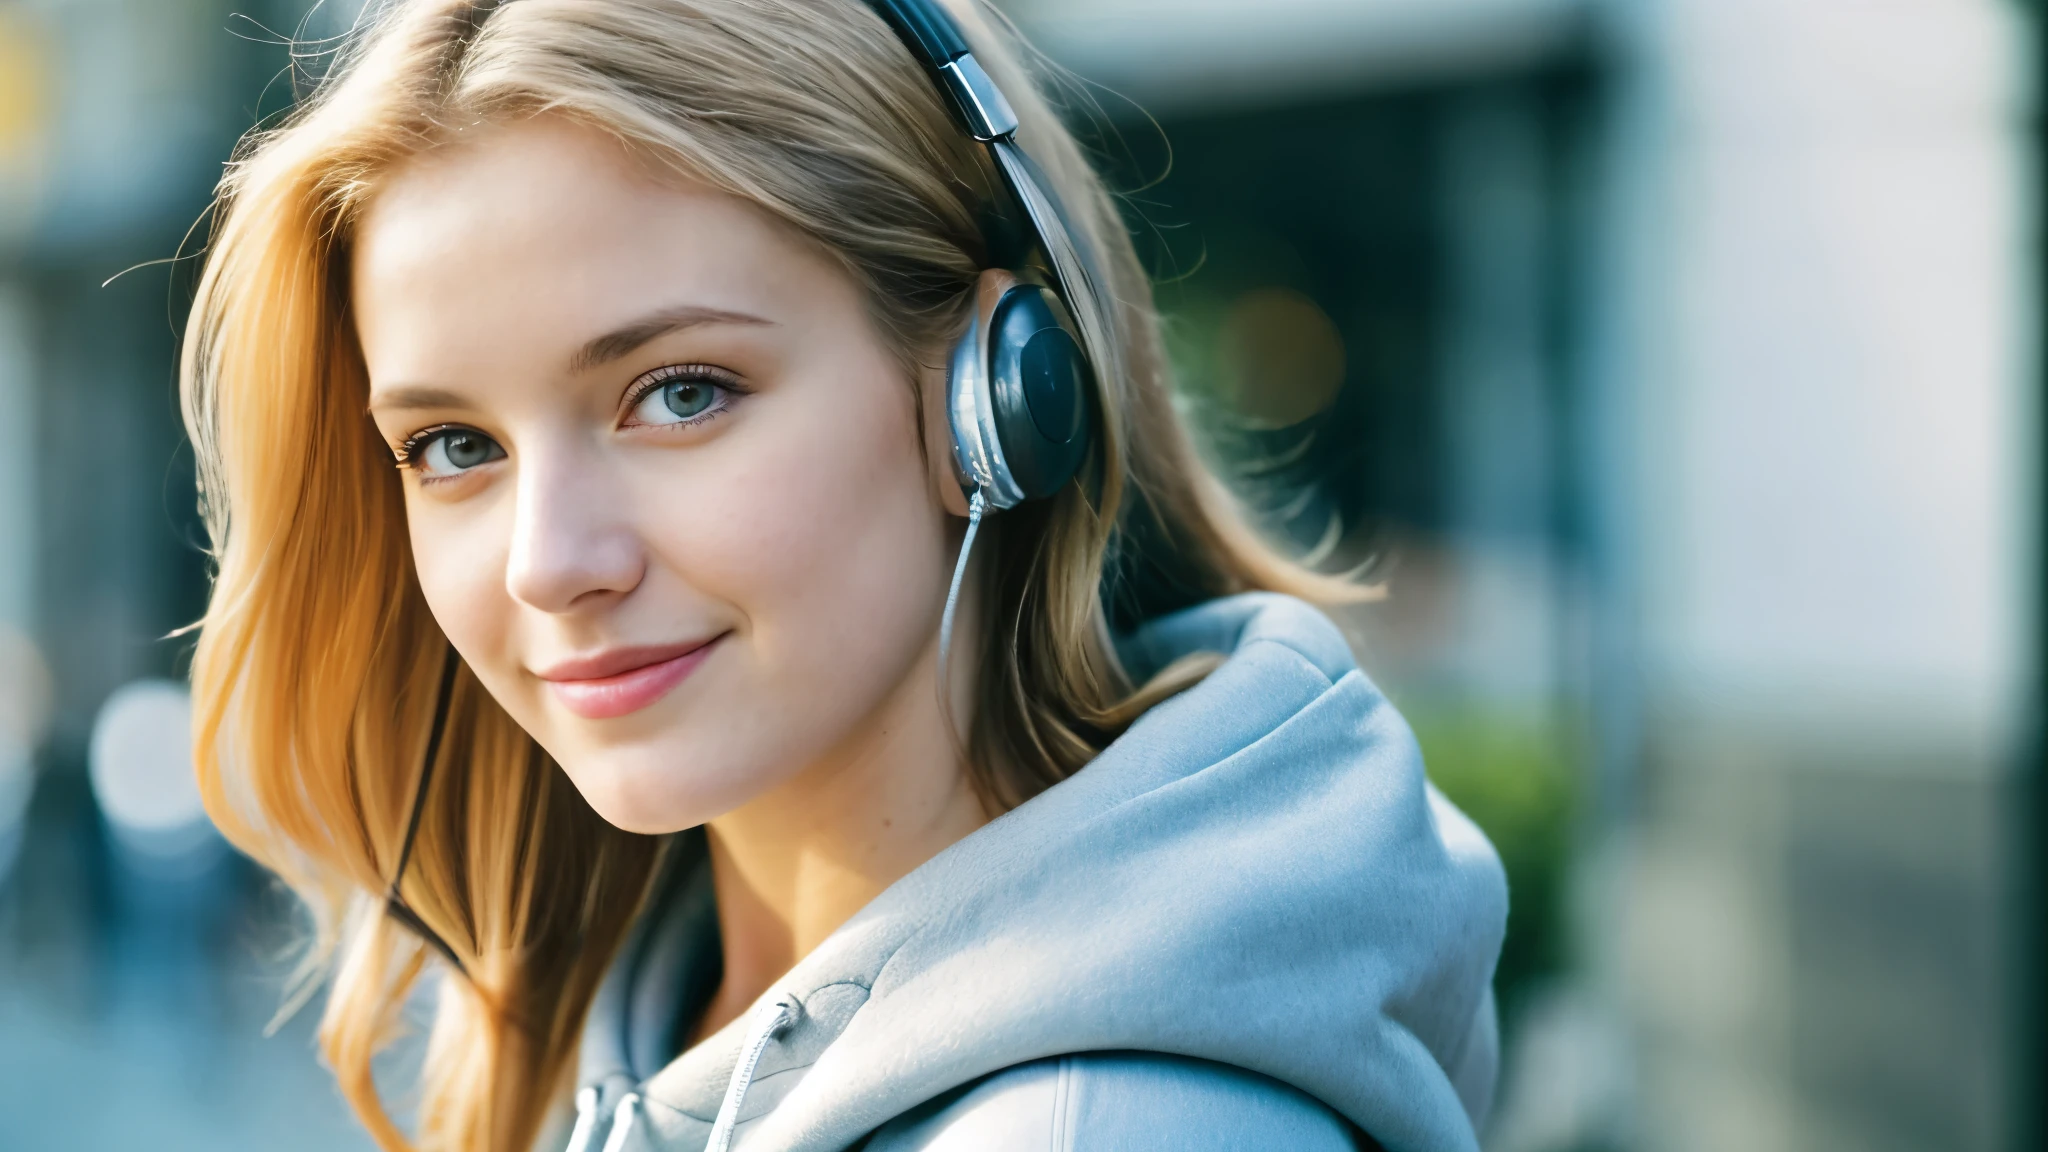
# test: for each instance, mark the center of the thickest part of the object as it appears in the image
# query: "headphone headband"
(929, 32)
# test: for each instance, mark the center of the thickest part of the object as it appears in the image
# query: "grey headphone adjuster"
(987, 113)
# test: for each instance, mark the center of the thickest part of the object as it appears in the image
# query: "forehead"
(547, 230)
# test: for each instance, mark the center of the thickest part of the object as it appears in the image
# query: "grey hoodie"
(1249, 923)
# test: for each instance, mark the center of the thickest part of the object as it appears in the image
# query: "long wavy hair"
(319, 662)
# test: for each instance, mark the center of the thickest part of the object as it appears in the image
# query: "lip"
(622, 681)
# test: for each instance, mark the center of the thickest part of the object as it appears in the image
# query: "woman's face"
(663, 474)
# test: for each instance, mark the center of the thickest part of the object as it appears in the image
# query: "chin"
(647, 793)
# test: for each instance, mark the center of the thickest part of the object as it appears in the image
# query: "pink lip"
(625, 680)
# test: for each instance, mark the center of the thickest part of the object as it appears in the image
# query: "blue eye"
(449, 452)
(685, 400)
(679, 397)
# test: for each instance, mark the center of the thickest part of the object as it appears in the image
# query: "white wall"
(1815, 470)
(1828, 364)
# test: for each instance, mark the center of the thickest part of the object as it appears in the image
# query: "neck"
(794, 864)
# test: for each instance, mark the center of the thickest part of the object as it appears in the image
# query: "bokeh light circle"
(141, 766)
(1282, 357)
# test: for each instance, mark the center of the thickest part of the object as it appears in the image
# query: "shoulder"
(1135, 1101)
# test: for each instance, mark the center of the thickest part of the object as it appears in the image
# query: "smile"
(619, 683)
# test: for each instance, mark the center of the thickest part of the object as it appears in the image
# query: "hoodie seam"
(1329, 681)
(1063, 1106)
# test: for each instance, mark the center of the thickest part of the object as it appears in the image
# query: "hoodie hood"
(1255, 874)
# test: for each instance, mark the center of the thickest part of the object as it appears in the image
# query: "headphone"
(1019, 384)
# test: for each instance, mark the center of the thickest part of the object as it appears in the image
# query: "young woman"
(632, 700)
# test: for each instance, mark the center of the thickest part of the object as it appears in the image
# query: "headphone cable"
(976, 505)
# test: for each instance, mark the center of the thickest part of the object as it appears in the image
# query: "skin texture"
(800, 525)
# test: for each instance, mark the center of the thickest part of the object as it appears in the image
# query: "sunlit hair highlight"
(318, 659)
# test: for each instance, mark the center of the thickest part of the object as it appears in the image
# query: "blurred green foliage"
(1517, 776)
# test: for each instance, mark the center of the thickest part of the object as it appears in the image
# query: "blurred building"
(1822, 367)
(1671, 361)
(134, 951)
(1689, 383)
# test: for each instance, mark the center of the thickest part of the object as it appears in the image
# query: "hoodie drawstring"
(622, 1122)
(769, 1022)
(586, 1121)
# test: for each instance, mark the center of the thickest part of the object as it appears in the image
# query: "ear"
(936, 386)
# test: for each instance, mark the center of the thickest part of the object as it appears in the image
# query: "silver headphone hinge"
(977, 445)
(988, 115)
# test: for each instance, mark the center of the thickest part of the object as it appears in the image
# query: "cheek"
(824, 537)
(459, 556)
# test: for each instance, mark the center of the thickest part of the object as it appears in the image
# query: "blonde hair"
(318, 663)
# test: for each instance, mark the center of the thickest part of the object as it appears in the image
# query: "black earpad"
(1041, 388)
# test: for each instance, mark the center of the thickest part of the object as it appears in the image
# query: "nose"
(571, 544)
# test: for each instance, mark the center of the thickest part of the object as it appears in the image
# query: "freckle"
(887, 823)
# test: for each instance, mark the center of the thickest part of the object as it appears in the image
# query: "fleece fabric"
(1257, 876)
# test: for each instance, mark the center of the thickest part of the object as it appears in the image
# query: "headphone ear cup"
(1041, 390)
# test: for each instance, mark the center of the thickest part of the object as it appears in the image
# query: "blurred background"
(1673, 363)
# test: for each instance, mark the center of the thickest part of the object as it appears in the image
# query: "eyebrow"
(623, 341)
(417, 396)
(619, 342)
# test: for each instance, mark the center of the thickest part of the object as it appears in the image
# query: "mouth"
(625, 680)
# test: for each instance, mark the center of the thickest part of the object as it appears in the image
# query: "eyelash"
(410, 449)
